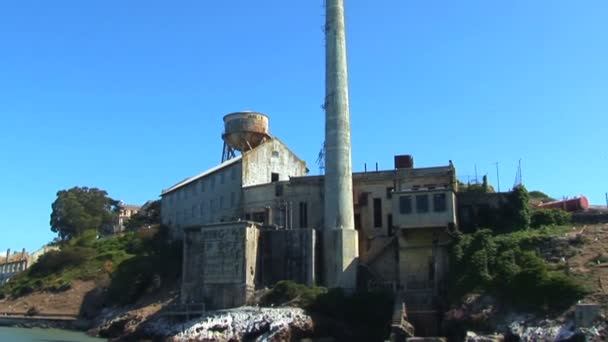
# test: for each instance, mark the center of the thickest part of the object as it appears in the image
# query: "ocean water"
(8, 334)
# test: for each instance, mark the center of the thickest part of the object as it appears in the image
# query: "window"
(405, 205)
(389, 192)
(212, 178)
(185, 215)
(202, 185)
(278, 190)
(193, 188)
(439, 203)
(275, 154)
(211, 205)
(389, 224)
(202, 209)
(274, 177)
(185, 193)
(222, 177)
(221, 202)
(193, 210)
(303, 214)
(378, 212)
(233, 173)
(232, 199)
(422, 203)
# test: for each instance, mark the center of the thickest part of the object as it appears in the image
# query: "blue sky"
(128, 96)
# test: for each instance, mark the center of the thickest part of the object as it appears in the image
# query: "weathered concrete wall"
(287, 254)
(432, 215)
(10, 269)
(213, 197)
(271, 157)
(423, 260)
(220, 264)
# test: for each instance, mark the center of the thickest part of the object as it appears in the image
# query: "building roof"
(201, 175)
(224, 165)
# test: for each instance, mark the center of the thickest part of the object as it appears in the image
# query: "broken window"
(422, 203)
(378, 212)
(405, 205)
(389, 192)
(439, 203)
(303, 214)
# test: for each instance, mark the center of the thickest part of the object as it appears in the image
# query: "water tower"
(243, 131)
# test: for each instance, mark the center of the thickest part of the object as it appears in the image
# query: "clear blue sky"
(128, 96)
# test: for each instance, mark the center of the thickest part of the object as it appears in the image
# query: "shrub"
(506, 265)
(54, 261)
(288, 291)
(547, 217)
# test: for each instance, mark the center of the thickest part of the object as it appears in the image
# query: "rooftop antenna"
(497, 177)
(321, 159)
(518, 178)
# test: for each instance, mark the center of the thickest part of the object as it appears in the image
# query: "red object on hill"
(572, 204)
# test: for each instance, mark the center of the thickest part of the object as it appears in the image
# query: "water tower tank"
(244, 131)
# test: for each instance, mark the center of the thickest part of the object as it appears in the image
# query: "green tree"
(519, 207)
(147, 216)
(81, 208)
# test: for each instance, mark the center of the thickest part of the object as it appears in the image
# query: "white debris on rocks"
(261, 324)
(549, 330)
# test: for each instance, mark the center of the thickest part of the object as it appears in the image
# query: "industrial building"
(258, 217)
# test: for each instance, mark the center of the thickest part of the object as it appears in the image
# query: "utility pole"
(497, 177)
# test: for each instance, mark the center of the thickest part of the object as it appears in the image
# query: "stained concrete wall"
(287, 254)
(271, 157)
(219, 266)
(214, 197)
(420, 252)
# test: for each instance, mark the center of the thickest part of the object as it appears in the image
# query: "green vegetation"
(507, 266)
(128, 265)
(361, 316)
(148, 215)
(79, 209)
(540, 196)
(549, 217)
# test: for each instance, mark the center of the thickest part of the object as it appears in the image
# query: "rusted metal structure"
(243, 131)
(573, 204)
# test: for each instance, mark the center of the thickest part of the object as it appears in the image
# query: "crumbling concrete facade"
(216, 195)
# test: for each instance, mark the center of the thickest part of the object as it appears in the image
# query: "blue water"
(43, 335)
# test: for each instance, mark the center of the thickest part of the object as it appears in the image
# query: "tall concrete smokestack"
(340, 236)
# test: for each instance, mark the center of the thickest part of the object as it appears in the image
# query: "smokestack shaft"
(338, 172)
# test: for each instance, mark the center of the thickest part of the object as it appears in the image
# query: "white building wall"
(215, 197)
(271, 157)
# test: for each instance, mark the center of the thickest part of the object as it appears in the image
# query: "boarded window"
(377, 212)
(439, 203)
(405, 205)
(422, 203)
